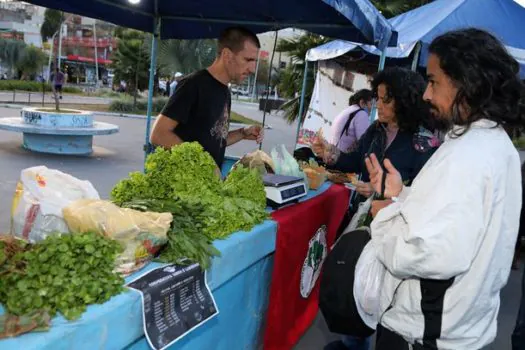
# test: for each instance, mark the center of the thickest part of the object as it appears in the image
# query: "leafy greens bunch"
(188, 173)
(63, 273)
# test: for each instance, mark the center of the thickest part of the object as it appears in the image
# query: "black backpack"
(336, 297)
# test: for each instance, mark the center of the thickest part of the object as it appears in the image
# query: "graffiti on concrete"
(32, 117)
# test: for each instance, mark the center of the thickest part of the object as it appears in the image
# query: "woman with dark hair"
(351, 124)
(399, 134)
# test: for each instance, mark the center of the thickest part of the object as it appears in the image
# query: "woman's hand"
(364, 189)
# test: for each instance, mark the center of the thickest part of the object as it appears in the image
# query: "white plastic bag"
(368, 281)
(285, 164)
(360, 215)
(40, 196)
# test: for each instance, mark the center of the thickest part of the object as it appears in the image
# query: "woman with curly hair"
(400, 133)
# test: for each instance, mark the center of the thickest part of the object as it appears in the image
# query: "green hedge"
(125, 105)
(22, 85)
(32, 86)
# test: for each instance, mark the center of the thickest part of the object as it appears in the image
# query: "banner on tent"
(333, 86)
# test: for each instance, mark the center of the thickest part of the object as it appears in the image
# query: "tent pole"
(269, 83)
(153, 64)
(382, 61)
(301, 104)
(415, 61)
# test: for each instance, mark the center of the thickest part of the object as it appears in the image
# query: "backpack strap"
(347, 124)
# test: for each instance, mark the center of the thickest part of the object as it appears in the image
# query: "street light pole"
(96, 52)
(60, 43)
(51, 56)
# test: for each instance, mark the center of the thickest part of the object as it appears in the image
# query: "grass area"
(238, 118)
(519, 143)
(235, 117)
(62, 110)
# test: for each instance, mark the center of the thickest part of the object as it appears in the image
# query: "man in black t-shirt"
(199, 109)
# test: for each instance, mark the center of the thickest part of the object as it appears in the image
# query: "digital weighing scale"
(282, 190)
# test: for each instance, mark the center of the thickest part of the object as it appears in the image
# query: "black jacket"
(408, 152)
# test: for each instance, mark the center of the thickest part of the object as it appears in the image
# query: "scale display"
(282, 190)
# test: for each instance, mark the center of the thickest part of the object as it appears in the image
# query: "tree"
(297, 48)
(291, 79)
(131, 61)
(31, 61)
(262, 72)
(11, 52)
(52, 21)
(185, 55)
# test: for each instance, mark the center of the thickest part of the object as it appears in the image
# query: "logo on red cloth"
(315, 256)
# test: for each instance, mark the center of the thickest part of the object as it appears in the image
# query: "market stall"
(240, 278)
(248, 281)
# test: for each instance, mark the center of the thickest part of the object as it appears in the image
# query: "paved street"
(116, 155)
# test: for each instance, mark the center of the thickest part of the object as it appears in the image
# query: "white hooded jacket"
(448, 242)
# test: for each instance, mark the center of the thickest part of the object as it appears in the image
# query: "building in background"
(21, 21)
(78, 49)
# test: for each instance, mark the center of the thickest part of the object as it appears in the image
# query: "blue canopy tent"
(417, 28)
(503, 18)
(356, 20)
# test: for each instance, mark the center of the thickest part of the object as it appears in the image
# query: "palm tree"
(291, 79)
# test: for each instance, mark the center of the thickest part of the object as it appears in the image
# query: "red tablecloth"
(305, 233)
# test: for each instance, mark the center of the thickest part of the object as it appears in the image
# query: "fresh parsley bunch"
(63, 273)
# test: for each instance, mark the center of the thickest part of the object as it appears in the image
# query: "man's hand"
(393, 181)
(378, 205)
(254, 132)
(364, 189)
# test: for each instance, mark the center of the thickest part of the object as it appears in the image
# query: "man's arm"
(162, 133)
(235, 136)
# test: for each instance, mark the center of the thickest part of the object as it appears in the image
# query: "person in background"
(351, 124)
(167, 92)
(57, 80)
(447, 241)
(199, 109)
(399, 134)
(176, 78)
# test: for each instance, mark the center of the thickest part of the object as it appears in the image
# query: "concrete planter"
(67, 132)
(53, 119)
